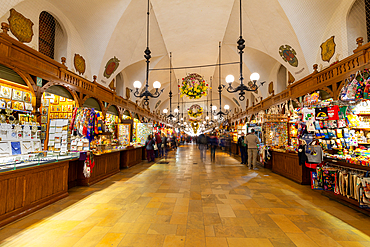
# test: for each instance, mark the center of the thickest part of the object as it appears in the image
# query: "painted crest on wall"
(80, 64)
(20, 26)
(328, 49)
(111, 66)
(288, 54)
(236, 101)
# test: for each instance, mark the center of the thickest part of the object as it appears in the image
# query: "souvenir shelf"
(276, 131)
(123, 134)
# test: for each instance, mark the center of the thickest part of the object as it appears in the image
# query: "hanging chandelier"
(252, 85)
(146, 94)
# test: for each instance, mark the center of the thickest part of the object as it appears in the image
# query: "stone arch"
(72, 92)
(102, 108)
(356, 24)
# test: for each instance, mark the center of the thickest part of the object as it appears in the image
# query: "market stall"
(30, 178)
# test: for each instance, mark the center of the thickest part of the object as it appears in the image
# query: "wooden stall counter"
(106, 165)
(287, 165)
(235, 148)
(26, 190)
(132, 156)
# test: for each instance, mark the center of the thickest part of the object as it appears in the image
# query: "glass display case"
(16, 162)
(101, 143)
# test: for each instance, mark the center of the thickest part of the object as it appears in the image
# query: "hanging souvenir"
(6, 92)
(17, 95)
(27, 97)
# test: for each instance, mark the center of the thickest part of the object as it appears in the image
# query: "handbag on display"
(314, 152)
(16, 148)
(307, 138)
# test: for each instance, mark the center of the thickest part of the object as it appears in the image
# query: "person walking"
(243, 148)
(252, 141)
(164, 145)
(213, 142)
(149, 146)
(202, 140)
(158, 141)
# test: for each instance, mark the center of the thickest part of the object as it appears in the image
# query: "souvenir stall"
(275, 136)
(342, 133)
(30, 177)
(89, 136)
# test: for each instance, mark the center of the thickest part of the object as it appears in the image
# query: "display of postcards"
(69, 108)
(20, 106)
(51, 100)
(17, 95)
(61, 115)
(64, 108)
(28, 106)
(44, 111)
(58, 108)
(2, 103)
(43, 127)
(20, 134)
(6, 92)
(9, 104)
(69, 115)
(27, 97)
(44, 119)
(62, 99)
(45, 102)
(56, 100)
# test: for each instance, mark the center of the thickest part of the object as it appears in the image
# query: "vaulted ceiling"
(192, 30)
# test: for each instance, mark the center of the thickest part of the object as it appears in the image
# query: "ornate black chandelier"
(252, 85)
(146, 94)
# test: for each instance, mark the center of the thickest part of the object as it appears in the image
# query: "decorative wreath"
(195, 111)
(194, 86)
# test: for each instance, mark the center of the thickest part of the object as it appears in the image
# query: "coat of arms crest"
(328, 49)
(80, 64)
(288, 54)
(111, 66)
(20, 26)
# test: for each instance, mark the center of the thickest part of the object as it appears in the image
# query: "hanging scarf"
(90, 125)
(73, 118)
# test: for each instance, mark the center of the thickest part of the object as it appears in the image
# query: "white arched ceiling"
(191, 30)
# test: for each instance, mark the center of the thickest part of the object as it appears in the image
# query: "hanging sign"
(39, 82)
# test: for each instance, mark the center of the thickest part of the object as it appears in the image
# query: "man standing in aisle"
(252, 140)
(243, 148)
(158, 141)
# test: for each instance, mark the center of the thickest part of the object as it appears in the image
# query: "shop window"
(281, 79)
(358, 23)
(52, 37)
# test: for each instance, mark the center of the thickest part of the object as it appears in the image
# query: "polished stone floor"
(192, 203)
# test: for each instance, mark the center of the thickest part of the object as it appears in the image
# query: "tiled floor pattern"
(191, 203)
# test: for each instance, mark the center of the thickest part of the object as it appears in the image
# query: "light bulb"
(255, 76)
(176, 110)
(174, 119)
(137, 84)
(165, 111)
(207, 117)
(229, 79)
(226, 107)
(156, 84)
(204, 122)
(214, 108)
(215, 117)
(182, 119)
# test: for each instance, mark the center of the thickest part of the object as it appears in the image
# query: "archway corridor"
(188, 202)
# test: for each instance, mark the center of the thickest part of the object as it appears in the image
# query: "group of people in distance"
(159, 145)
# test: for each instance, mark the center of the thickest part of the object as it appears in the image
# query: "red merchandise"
(333, 113)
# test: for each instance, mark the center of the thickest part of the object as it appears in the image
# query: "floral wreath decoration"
(194, 86)
(196, 113)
